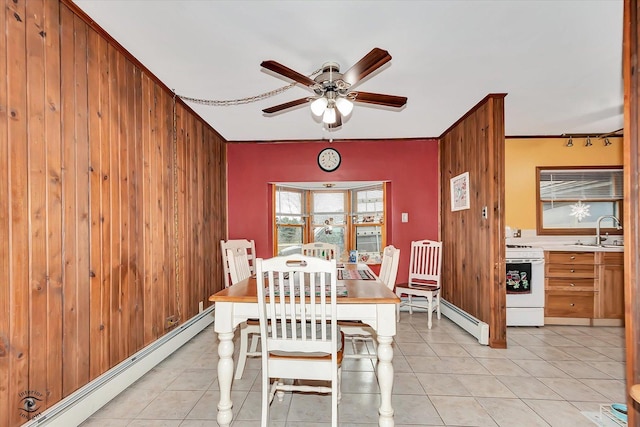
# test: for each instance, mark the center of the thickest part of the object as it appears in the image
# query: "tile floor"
(443, 377)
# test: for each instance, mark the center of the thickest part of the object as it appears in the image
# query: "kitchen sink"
(593, 245)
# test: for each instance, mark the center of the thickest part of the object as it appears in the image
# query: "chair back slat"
(249, 247)
(426, 262)
(239, 268)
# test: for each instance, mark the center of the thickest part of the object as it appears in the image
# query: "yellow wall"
(523, 155)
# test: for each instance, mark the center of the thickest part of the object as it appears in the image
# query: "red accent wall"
(411, 166)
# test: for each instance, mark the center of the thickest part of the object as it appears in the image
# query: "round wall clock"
(329, 159)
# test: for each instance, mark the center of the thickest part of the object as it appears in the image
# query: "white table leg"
(225, 374)
(385, 380)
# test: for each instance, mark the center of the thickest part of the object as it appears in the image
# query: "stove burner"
(519, 246)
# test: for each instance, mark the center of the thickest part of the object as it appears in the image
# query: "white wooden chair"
(425, 267)
(320, 250)
(239, 269)
(250, 248)
(358, 331)
(300, 338)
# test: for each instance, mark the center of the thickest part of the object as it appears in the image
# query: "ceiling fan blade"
(284, 106)
(379, 99)
(367, 65)
(338, 121)
(287, 72)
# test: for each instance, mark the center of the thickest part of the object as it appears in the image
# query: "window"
(570, 200)
(348, 218)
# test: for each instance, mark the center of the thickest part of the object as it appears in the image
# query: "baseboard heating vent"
(475, 327)
(81, 404)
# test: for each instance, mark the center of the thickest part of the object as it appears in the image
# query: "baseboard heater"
(475, 327)
(81, 404)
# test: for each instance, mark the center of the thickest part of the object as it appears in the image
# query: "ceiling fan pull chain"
(247, 100)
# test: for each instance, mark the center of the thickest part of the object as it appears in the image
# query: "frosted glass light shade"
(344, 106)
(329, 116)
(319, 105)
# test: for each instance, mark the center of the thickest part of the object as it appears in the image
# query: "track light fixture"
(569, 142)
(588, 142)
(607, 142)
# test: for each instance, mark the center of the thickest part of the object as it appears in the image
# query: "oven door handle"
(524, 261)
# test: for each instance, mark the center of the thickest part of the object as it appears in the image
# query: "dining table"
(366, 299)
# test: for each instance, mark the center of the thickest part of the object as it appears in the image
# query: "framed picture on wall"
(460, 192)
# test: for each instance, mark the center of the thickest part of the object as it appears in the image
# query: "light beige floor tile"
(414, 410)
(485, 386)
(529, 388)
(307, 407)
(171, 405)
(511, 412)
(540, 369)
(615, 370)
(551, 353)
(106, 422)
(193, 379)
(127, 404)
(415, 349)
(558, 413)
(359, 408)
(442, 385)
(503, 367)
(359, 382)
(450, 409)
(449, 350)
(572, 389)
(405, 383)
(484, 351)
(586, 354)
(613, 390)
(155, 423)
(579, 369)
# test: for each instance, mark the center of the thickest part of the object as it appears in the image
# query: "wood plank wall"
(94, 255)
(473, 247)
(631, 50)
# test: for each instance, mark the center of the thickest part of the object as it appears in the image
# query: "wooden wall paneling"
(172, 305)
(37, 178)
(126, 127)
(121, 185)
(631, 49)
(201, 237)
(69, 214)
(96, 335)
(18, 342)
(150, 308)
(157, 242)
(115, 323)
(5, 253)
(475, 144)
(82, 200)
(137, 207)
(106, 222)
(187, 213)
(53, 141)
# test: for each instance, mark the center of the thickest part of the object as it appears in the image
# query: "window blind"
(581, 184)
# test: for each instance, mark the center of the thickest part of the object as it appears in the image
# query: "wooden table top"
(358, 292)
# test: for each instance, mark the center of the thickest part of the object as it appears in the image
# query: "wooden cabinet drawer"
(559, 257)
(568, 304)
(569, 284)
(570, 270)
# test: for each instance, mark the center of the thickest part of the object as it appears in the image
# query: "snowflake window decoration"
(580, 211)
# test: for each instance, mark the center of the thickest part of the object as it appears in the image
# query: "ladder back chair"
(320, 250)
(239, 270)
(300, 338)
(249, 247)
(358, 331)
(425, 266)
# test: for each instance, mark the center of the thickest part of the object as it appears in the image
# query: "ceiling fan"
(333, 96)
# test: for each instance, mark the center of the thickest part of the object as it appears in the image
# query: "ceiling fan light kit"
(334, 99)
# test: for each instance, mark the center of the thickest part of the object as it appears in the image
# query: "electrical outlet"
(171, 321)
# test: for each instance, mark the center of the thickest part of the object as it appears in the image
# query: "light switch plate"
(405, 217)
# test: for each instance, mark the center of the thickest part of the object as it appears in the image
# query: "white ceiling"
(559, 62)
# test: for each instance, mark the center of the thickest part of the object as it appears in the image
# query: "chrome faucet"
(599, 238)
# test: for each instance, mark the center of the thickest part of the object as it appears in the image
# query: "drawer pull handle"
(572, 257)
(572, 304)
(572, 284)
(573, 271)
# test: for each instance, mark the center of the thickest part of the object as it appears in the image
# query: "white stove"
(525, 285)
